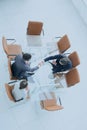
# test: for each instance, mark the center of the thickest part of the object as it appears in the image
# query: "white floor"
(59, 18)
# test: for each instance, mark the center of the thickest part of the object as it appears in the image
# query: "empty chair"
(63, 44)
(50, 104)
(34, 28)
(11, 50)
(72, 77)
(9, 92)
(74, 58)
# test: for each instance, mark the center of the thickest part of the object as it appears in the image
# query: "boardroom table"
(40, 48)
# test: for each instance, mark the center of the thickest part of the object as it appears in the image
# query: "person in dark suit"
(21, 66)
(59, 63)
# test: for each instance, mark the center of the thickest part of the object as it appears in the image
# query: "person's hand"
(28, 97)
(40, 64)
(54, 62)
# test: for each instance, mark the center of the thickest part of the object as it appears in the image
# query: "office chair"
(34, 30)
(50, 104)
(63, 44)
(72, 77)
(11, 50)
(9, 92)
(74, 58)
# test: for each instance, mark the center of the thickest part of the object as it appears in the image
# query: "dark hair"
(64, 60)
(23, 84)
(26, 56)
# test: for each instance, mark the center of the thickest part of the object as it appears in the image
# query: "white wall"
(81, 6)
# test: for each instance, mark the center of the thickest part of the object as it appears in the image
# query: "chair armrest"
(67, 53)
(12, 82)
(11, 40)
(53, 51)
(30, 73)
(60, 101)
(43, 32)
(58, 37)
(19, 100)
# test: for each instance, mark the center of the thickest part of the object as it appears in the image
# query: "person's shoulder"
(61, 55)
(19, 56)
(17, 83)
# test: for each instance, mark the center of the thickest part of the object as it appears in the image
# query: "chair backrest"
(10, 70)
(4, 44)
(74, 58)
(11, 50)
(72, 77)
(63, 44)
(34, 28)
(9, 92)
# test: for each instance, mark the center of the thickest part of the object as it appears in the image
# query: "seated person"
(60, 63)
(21, 90)
(21, 67)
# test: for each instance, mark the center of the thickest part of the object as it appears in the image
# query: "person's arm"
(27, 95)
(33, 69)
(53, 57)
(26, 67)
(23, 66)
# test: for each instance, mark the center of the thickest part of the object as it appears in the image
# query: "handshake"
(41, 63)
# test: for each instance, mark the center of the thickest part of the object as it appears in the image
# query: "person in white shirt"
(21, 90)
